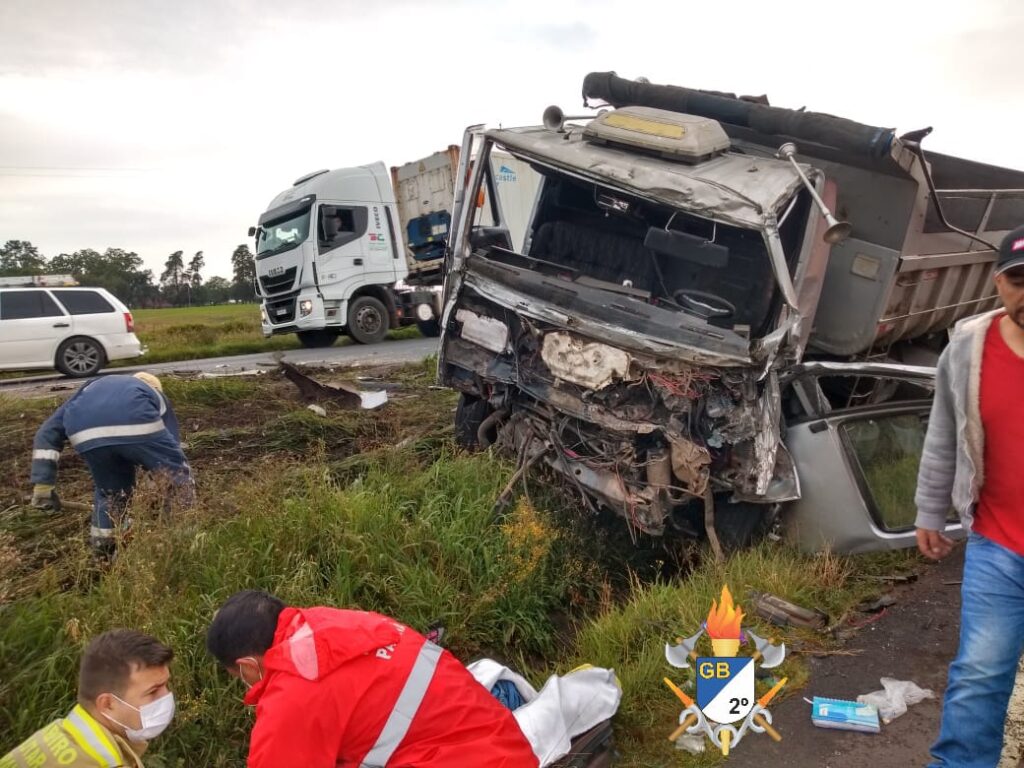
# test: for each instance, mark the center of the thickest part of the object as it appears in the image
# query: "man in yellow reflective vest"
(123, 703)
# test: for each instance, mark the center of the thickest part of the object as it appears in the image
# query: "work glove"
(45, 497)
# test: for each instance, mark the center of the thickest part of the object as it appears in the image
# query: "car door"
(856, 433)
(91, 314)
(32, 326)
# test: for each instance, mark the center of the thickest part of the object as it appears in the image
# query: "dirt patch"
(915, 640)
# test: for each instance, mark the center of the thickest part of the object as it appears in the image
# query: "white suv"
(75, 330)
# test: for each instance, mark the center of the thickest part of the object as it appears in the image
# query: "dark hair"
(110, 659)
(243, 626)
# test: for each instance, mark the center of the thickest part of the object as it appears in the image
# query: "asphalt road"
(385, 353)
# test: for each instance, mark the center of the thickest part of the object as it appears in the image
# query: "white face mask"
(155, 717)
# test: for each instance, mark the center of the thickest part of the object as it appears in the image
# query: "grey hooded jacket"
(952, 462)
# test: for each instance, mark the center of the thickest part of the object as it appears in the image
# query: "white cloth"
(565, 707)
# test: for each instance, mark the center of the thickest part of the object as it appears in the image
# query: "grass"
(368, 509)
(191, 333)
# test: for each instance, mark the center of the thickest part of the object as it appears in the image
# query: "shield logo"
(725, 687)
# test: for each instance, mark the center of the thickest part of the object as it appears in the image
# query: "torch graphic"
(723, 625)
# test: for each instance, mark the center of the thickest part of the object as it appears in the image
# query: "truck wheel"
(469, 415)
(315, 339)
(430, 328)
(367, 320)
(80, 356)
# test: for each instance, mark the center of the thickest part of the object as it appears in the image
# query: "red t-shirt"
(1000, 512)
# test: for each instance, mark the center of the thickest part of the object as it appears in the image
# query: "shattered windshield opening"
(283, 234)
(600, 237)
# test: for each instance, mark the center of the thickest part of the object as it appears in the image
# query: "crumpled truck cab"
(676, 268)
(632, 339)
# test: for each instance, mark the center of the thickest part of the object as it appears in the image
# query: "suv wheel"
(79, 357)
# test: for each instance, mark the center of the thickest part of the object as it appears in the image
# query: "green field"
(375, 510)
(190, 333)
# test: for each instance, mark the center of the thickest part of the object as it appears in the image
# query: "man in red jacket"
(356, 689)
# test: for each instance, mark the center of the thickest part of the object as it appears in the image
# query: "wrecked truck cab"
(633, 341)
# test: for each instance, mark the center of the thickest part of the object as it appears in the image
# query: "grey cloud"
(154, 35)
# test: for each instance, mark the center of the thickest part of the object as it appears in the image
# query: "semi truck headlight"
(305, 307)
(263, 316)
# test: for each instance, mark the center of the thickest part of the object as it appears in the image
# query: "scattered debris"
(317, 409)
(844, 715)
(874, 606)
(250, 372)
(782, 612)
(894, 698)
(345, 396)
(691, 742)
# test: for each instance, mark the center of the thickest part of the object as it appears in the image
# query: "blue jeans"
(982, 675)
(113, 473)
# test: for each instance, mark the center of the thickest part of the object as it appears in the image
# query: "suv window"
(888, 452)
(22, 305)
(84, 302)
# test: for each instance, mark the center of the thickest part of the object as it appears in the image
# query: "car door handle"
(357, 262)
(62, 325)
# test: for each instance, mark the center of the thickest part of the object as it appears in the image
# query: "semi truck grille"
(278, 283)
(280, 312)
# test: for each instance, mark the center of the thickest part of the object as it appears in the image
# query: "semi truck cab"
(328, 256)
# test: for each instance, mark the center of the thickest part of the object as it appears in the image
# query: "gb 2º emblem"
(727, 706)
(725, 688)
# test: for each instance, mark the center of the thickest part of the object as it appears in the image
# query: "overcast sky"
(163, 126)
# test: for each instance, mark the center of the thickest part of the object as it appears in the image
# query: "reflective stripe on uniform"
(45, 455)
(123, 430)
(405, 708)
(101, 533)
(92, 738)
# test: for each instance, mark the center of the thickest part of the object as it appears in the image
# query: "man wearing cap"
(972, 463)
(117, 424)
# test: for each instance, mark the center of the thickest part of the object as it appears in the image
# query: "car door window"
(24, 305)
(887, 452)
(84, 302)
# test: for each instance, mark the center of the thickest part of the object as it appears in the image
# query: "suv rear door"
(32, 326)
(856, 432)
(92, 314)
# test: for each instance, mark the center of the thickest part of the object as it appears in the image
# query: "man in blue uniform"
(117, 424)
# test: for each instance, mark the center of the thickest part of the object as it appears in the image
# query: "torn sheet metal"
(733, 350)
(589, 364)
(341, 394)
(488, 332)
(733, 188)
(767, 439)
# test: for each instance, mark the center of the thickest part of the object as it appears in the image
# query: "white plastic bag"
(895, 698)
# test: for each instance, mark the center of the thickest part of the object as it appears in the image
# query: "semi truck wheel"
(315, 339)
(430, 328)
(367, 320)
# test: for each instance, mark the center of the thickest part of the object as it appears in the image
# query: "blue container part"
(427, 234)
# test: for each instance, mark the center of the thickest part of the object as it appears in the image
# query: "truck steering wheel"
(703, 304)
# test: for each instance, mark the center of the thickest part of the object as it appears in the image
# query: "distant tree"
(195, 266)
(244, 266)
(173, 278)
(217, 290)
(117, 270)
(20, 257)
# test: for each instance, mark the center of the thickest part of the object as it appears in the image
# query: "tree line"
(121, 272)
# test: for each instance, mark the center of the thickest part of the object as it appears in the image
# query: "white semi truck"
(361, 250)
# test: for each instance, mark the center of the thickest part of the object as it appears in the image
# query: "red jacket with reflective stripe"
(331, 680)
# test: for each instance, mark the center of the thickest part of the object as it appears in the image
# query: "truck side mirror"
(252, 231)
(681, 245)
